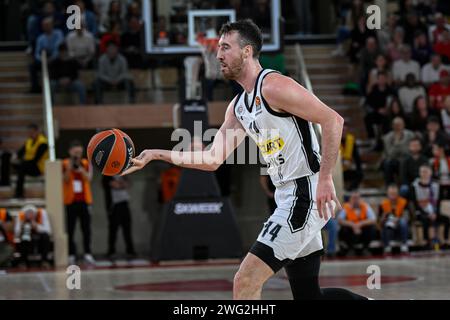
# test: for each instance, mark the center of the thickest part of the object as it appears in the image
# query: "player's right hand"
(139, 162)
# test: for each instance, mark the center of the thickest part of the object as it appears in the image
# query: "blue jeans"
(74, 86)
(331, 227)
(389, 233)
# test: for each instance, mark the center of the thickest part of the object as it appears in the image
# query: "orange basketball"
(110, 151)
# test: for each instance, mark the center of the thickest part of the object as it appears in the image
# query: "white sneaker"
(88, 258)
(72, 260)
(387, 249)
(404, 248)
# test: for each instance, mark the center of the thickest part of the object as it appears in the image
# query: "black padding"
(266, 254)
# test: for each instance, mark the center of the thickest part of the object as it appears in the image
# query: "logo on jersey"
(258, 103)
(271, 146)
(240, 109)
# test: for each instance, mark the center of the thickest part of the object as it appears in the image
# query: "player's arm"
(227, 139)
(283, 94)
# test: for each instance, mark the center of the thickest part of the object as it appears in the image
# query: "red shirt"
(439, 92)
(108, 37)
(78, 189)
(442, 48)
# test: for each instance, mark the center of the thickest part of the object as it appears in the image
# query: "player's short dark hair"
(75, 143)
(33, 126)
(249, 34)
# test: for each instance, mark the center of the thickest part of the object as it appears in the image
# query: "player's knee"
(243, 281)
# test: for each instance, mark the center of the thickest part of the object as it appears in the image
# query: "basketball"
(110, 151)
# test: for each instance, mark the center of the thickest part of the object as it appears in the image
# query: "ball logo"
(98, 157)
(130, 156)
(115, 164)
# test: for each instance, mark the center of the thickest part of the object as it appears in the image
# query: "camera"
(75, 162)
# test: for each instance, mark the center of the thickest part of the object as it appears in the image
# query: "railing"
(303, 77)
(48, 108)
(53, 176)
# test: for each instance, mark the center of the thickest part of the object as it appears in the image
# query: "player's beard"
(233, 70)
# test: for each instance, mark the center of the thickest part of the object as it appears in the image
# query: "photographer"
(77, 199)
(32, 228)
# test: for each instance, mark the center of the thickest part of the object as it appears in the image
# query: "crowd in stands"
(109, 42)
(403, 76)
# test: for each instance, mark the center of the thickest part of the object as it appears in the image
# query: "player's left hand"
(325, 195)
(139, 162)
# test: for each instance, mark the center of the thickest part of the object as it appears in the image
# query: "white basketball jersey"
(287, 143)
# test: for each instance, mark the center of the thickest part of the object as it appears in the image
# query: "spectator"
(445, 116)
(113, 74)
(420, 114)
(101, 8)
(394, 47)
(414, 27)
(395, 149)
(409, 92)
(6, 227)
(88, 17)
(77, 199)
(430, 73)
(32, 157)
(385, 33)
(81, 46)
(409, 170)
(134, 11)
(367, 57)
(261, 15)
(168, 184)
(357, 224)
(5, 165)
(425, 199)
(405, 65)
(49, 41)
(64, 74)
(395, 110)
(6, 237)
(269, 190)
(351, 161)
(441, 169)
(358, 36)
(131, 43)
(32, 229)
(439, 91)
(421, 49)
(119, 214)
(394, 219)
(34, 22)
(381, 65)
(442, 47)
(437, 29)
(113, 35)
(377, 100)
(433, 134)
(114, 16)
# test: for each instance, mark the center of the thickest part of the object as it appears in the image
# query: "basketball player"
(277, 113)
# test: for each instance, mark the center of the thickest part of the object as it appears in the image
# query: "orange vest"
(351, 214)
(68, 185)
(169, 183)
(9, 234)
(38, 216)
(3, 214)
(400, 206)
